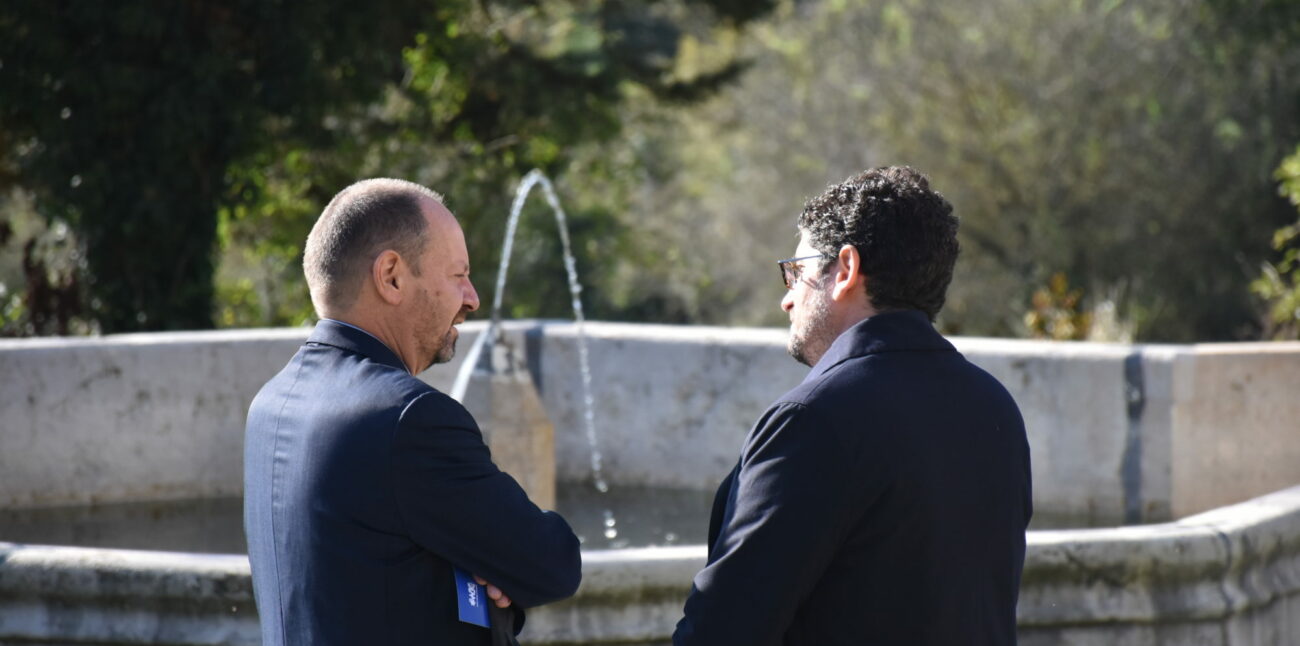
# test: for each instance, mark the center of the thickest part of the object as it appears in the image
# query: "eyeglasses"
(790, 270)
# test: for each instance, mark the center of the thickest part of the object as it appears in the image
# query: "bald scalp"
(361, 222)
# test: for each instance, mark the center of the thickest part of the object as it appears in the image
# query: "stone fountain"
(1166, 476)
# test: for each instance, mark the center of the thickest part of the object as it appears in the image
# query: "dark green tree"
(124, 119)
(140, 121)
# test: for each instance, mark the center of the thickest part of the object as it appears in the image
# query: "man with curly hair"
(884, 500)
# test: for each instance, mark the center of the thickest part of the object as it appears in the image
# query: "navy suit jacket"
(882, 501)
(363, 487)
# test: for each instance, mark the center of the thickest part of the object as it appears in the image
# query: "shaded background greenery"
(1117, 164)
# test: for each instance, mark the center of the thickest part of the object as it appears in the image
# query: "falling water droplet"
(75, 181)
(65, 113)
(610, 532)
(670, 537)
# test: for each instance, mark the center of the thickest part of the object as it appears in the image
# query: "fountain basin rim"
(1220, 545)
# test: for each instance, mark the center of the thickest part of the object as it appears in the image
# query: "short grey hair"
(361, 222)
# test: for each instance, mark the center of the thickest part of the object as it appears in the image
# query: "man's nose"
(787, 301)
(471, 298)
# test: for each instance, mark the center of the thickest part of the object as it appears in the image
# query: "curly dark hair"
(905, 233)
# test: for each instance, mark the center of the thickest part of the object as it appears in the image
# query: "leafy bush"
(1279, 282)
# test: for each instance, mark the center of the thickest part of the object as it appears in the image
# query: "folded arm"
(459, 505)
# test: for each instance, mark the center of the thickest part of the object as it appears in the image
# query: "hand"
(494, 593)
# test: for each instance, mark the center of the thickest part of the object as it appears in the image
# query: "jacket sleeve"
(457, 504)
(777, 539)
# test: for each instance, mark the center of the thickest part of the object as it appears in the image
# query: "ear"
(388, 274)
(849, 281)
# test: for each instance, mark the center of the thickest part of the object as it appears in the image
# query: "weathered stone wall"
(74, 595)
(1118, 432)
(1230, 577)
(1237, 420)
(130, 417)
(673, 403)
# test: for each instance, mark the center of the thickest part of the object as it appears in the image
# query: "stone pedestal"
(503, 399)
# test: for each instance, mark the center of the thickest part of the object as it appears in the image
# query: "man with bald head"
(364, 487)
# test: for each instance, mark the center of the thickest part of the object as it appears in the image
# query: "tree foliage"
(125, 118)
(1123, 148)
(1127, 145)
(1279, 282)
(496, 92)
(160, 129)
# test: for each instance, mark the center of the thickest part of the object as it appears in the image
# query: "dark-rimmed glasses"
(790, 270)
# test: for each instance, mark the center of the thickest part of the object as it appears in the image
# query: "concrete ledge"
(1236, 421)
(1118, 433)
(1209, 566)
(1230, 576)
(673, 403)
(76, 595)
(627, 596)
(130, 417)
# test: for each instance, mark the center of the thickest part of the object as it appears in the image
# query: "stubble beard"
(444, 348)
(447, 349)
(441, 352)
(810, 340)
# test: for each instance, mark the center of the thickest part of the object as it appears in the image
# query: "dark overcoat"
(363, 487)
(882, 501)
